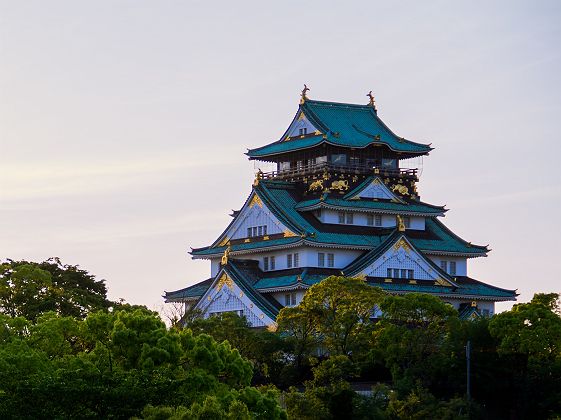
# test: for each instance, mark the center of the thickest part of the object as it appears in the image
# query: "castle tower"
(341, 201)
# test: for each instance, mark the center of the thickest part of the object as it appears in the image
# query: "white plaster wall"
(361, 219)
(461, 263)
(279, 296)
(214, 266)
(228, 299)
(401, 258)
(255, 216)
(308, 257)
(294, 129)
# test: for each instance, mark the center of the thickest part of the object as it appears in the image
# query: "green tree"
(411, 338)
(339, 310)
(29, 289)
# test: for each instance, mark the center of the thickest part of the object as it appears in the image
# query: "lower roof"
(257, 282)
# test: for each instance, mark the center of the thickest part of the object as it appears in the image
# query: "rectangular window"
(453, 268)
(254, 233)
(444, 266)
(403, 273)
(260, 231)
(389, 272)
(265, 230)
(341, 217)
(293, 299)
(289, 260)
(266, 264)
(249, 232)
(296, 259)
(407, 222)
(339, 159)
(331, 260)
(287, 299)
(321, 259)
(378, 221)
(370, 220)
(272, 263)
(303, 131)
(396, 273)
(410, 274)
(349, 218)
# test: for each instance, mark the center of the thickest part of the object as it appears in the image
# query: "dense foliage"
(66, 352)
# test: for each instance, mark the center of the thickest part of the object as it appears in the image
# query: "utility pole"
(468, 366)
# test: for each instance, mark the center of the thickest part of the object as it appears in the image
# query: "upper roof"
(282, 199)
(346, 125)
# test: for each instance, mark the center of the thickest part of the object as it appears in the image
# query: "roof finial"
(372, 102)
(303, 94)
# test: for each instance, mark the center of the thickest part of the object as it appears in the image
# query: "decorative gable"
(254, 214)
(226, 296)
(402, 256)
(300, 126)
(376, 189)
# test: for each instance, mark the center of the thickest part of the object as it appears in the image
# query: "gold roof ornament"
(258, 177)
(224, 259)
(400, 224)
(303, 94)
(372, 102)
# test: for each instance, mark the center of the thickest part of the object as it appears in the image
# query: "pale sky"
(123, 123)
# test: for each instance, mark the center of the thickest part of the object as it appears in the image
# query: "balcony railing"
(319, 168)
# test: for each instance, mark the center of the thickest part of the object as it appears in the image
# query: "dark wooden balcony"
(320, 168)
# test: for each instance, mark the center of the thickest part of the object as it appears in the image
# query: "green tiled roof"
(245, 246)
(191, 292)
(283, 200)
(467, 287)
(307, 277)
(345, 125)
(365, 204)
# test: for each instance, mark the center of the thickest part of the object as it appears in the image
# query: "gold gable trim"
(225, 280)
(255, 201)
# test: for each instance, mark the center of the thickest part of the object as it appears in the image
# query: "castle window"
(349, 218)
(303, 131)
(296, 260)
(389, 272)
(289, 260)
(254, 233)
(318, 213)
(260, 231)
(407, 222)
(290, 299)
(339, 159)
(266, 264)
(272, 263)
(378, 220)
(321, 259)
(249, 232)
(453, 268)
(370, 220)
(410, 274)
(444, 266)
(330, 260)
(264, 229)
(403, 273)
(342, 217)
